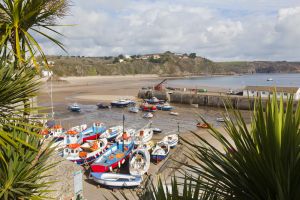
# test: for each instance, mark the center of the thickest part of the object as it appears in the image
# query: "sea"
(237, 81)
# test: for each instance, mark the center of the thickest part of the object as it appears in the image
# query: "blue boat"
(122, 103)
(159, 152)
(165, 107)
(94, 132)
(74, 107)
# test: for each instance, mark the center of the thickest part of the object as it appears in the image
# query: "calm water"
(236, 82)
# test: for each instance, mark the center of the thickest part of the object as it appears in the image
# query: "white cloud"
(226, 30)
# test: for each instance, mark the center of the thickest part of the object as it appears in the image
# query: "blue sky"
(219, 30)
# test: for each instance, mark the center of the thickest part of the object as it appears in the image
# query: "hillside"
(166, 64)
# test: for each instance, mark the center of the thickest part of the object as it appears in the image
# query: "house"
(265, 91)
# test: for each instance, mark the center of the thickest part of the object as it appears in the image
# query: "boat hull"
(116, 180)
(158, 158)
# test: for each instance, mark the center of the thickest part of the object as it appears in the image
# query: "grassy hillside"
(162, 64)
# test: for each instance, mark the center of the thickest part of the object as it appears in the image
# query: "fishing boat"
(86, 153)
(57, 132)
(113, 157)
(148, 115)
(160, 151)
(112, 132)
(139, 162)
(103, 106)
(174, 113)
(74, 107)
(154, 100)
(165, 107)
(171, 140)
(156, 130)
(134, 109)
(148, 107)
(143, 136)
(94, 132)
(116, 180)
(122, 103)
(147, 146)
(202, 125)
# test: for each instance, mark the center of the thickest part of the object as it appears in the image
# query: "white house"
(265, 91)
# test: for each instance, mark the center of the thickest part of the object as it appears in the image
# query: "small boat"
(113, 157)
(122, 103)
(154, 100)
(171, 140)
(139, 162)
(94, 132)
(74, 107)
(156, 130)
(148, 115)
(57, 132)
(116, 180)
(147, 146)
(160, 151)
(112, 132)
(134, 109)
(221, 119)
(103, 106)
(148, 107)
(202, 125)
(143, 136)
(165, 107)
(269, 79)
(78, 155)
(174, 113)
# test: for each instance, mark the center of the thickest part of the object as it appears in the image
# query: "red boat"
(148, 107)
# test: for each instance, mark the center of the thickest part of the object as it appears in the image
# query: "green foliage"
(259, 163)
(20, 19)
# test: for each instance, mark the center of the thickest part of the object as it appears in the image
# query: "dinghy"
(148, 115)
(143, 136)
(116, 180)
(160, 151)
(76, 154)
(74, 107)
(113, 157)
(139, 162)
(174, 113)
(171, 140)
(134, 109)
(112, 132)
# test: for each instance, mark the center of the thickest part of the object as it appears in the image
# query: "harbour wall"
(219, 100)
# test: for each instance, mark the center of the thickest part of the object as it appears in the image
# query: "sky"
(220, 30)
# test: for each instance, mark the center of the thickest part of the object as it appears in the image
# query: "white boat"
(143, 136)
(148, 115)
(269, 79)
(93, 145)
(128, 133)
(171, 140)
(116, 180)
(112, 132)
(134, 109)
(74, 107)
(174, 113)
(147, 146)
(160, 151)
(122, 103)
(139, 162)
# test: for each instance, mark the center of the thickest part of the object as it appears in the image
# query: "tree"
(193, 55)
(20, 18)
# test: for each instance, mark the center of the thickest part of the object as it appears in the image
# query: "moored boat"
(143, 136)
(78, 155)
(148, 107)
(148, 115)
(112, 132)
(160, 151)
(134, 109)
(94, 132)
(154, 100)
(113, 157)
(139, 162)
(171, 140)
(147, 146)
(165, 107)
(122, 103)
(156, 130)
(116, 180)
(74, 107)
